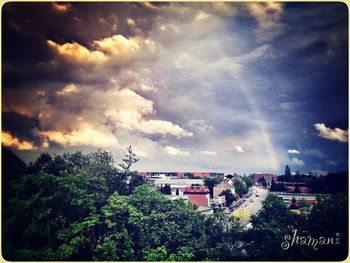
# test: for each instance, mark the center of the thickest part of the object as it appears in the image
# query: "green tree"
(240, 187)
(248, 181)
(166, 190)
(211, 182)
(270, 226)
(130, 159)
(229, 197)
(327, 218)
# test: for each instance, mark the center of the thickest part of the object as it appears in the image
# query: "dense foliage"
(332, 183)
(271, 225)
(80, 207)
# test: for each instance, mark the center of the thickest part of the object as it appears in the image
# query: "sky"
(221, 87)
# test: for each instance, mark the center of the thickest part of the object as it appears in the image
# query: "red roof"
(196, 189)
(302, 189)
(201, 174)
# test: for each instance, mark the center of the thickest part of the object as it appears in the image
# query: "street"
(253, 204)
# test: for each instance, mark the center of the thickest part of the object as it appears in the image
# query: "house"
(177, 185)
(296, 188)
(268, 178)
(319, 173)
(217, 190)
(198, 194)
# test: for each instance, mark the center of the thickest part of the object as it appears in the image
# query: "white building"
(319, 173)
(176, 184)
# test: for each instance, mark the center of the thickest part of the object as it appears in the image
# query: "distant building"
(319, 173)
(177, 185)
(290, 187)
(268, 178)
(289, 191)
(297, 188)
(217, 190)
(198, 194)
(219, 201)
(180, 174)
(288, 197)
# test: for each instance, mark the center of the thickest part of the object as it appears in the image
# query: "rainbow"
(254, 105)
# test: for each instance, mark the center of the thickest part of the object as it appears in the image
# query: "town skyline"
(221, 87)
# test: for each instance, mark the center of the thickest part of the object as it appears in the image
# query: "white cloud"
(78, 54)
(175, 151)
(83, 135)
(293, 151)
(128, 109)
(297, 162)
(115, 50)
(209, 152)
(267, 15)
(331, 134)
(239, 149)
(162, 128)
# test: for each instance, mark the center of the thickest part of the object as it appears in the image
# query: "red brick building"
(198, 195)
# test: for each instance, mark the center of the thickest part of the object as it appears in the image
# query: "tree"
(296, 188)
(293, 203)
(130, 159)
(229, 197)
(240, 187)
(248, 181)
(262, 181)
(211, 182)
(270, 226)
(327, 218)
(287, 171)
(166, 189)
(76, 212)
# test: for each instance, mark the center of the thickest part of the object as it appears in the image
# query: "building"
(318, 173)
(181, 174)
(217, 190)
(220, 201)
(198, 194)
(297, 188)
(287, 197)
(177, 185)
(257, 178)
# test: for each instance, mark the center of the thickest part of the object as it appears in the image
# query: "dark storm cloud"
(19, 125)
(28, 26)
(214, 81)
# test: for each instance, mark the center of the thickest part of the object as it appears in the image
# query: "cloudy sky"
(223, 87)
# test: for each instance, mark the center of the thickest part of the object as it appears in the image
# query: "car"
(251, 200)
(257, 195)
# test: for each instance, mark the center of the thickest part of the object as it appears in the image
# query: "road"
(253, 203)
